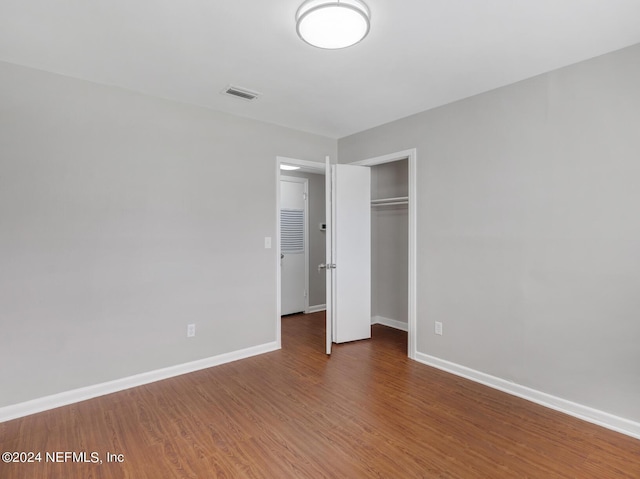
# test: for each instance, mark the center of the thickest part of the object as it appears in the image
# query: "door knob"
(281, 255)
(322, 266)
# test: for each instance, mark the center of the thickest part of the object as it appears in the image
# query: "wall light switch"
(267, 242)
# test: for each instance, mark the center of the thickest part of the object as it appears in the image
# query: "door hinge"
(305, 293)
(304, 196)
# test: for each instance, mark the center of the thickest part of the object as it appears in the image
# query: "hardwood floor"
(366, 412)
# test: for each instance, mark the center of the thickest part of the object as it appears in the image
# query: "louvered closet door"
(292, 245)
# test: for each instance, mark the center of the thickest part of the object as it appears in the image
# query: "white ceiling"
(419, 54)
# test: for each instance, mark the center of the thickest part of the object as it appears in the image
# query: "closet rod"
(386, 200)
(388, 203)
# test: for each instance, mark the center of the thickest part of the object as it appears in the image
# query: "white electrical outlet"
(438, 328)
(191, 330)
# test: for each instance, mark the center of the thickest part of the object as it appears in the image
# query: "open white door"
(348, 259)
(328, 265)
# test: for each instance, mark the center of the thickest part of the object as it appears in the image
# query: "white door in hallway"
(348, 259)
(293, 206)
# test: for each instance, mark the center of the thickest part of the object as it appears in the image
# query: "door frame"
(411, 155)
(305, 183)
(312, 167)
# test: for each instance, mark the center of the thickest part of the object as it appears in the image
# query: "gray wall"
(317, 238)
(122, 219)
(389, 242)
(528, 231)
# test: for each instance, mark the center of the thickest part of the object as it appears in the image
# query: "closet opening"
(393, 242)
(390, 244)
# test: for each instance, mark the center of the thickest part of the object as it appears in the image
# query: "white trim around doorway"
(411, 156)
(306, 166)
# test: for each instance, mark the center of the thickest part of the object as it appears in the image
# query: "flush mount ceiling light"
(332, 24)
(289, 167)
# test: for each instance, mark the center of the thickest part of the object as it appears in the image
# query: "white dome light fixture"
(332, 24)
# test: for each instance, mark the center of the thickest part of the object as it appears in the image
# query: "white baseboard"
(586, 413)
(76, 395)
(317, 308)
(392, 323)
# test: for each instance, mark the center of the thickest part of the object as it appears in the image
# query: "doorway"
(386, 198)
(313, 174)
(410, 157)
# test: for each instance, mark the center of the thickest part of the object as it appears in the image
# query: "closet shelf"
(400, 200)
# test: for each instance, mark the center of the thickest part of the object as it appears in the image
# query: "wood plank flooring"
(367, 412)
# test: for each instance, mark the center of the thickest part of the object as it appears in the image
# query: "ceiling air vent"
(240, 93)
